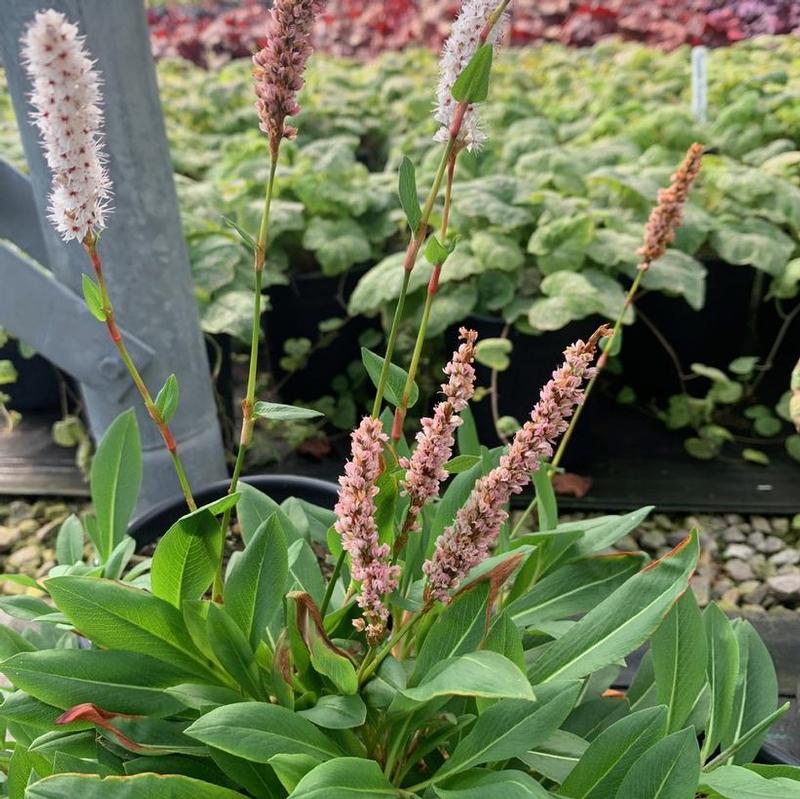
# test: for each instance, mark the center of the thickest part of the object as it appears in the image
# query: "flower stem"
(248, 420)
(433, 286)
(90, 245)
(337, 570)
(412, 251)
(368, 668)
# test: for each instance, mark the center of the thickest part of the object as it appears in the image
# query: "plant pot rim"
(283, 486)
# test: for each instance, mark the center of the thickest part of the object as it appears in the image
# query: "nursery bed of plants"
(403, 634)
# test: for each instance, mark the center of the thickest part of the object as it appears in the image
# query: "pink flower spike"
(66, 99)
(466, 543)
(425, 468)
(279, 65)
(355, 523)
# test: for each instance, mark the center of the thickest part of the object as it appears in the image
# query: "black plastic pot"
(151, 525)
(296, 311)
(36, 387)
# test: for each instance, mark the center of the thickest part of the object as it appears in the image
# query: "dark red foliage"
(220, 31)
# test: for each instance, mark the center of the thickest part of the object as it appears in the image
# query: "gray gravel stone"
(8, 537)
(734, 535)
(739, 570)
(786, 557)
(739, 551)
(755, 539)
(785, 586)
(771, 545)
(653, 540)
(761, 524)
(780, 525)
(25, 560)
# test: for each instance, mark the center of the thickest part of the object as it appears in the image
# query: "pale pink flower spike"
(355, 523)
(66, 98)
(279, 65)
(425, 468)
(467, 542)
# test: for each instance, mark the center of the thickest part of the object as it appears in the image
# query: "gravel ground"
(751, 563)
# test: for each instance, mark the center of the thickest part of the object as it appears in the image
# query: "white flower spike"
(458, 50)
(66, 98)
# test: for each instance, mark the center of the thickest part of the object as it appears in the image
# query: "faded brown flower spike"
(667, 216)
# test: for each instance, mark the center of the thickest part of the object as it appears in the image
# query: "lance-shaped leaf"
(485, 784)
(508, 729)
(337, 712)
(472, 85)
(186, 558)
(311, 644)
(756, 694)
(485, 674)
(735, 782)
(232, 649)
(115, 479)
(679, 660)
(94, 301)
(139, 786)
(256, 581)
(407, 189)
(345, 778)
(620, 623)
(168, 398)
(608, 759)
(668, 770)
(722, 669)
(395, 382)
(122, 682)
(258, 731)
(116, 616)
(574, 588)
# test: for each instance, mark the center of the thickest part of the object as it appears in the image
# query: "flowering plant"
(409, 643)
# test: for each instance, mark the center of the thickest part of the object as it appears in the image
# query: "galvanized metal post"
(143, 249)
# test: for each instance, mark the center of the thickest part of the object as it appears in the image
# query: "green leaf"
(337, 244)
(460, 629)
(344, 778)
(472, 85)
(484, 784)
(232, 649)
(283, 413)
(116, 616)
(744, 365)
(735, 782)
(329, 661)
(509, 728)
(494, 352)
(337, 712)
(91, 294)
(138, 786)
(253, 509)
(485, 674)
(574, 588)
(461, 463)
(69, 542)
(668, 770)
(679, 660)
(407, 189)
(767, 426)
(257, 579)
(383, 283)
(611, 755)
(257, 778)
(754, 242)
(756, 694)
(12, 643)
(435, 252)
(257, 731)
(556, 757)
(792, 445)
(752, 734)
(186, 558)
(620, 623)
(755, 456)
(722, 669)
(168, 398)
(396, 381)
(119, 682)
(115, 479)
